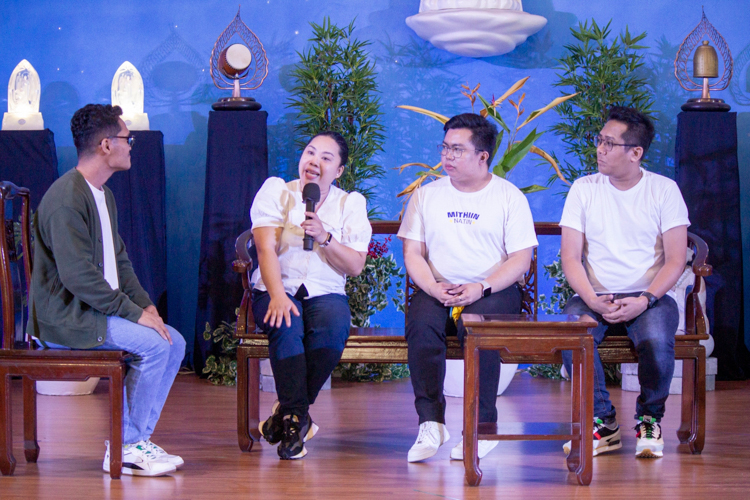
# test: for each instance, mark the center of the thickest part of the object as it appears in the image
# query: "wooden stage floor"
(360, 451)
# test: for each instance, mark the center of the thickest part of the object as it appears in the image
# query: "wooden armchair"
(19, 357)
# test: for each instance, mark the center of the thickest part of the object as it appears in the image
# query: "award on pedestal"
(24, 90)
(705, 66)
(241, 65)
(127, 92)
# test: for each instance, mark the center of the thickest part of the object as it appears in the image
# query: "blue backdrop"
(76, 46)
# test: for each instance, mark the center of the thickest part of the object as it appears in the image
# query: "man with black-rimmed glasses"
(624, 238)
(85, 295)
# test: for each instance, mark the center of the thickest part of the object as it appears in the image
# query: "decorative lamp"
(705, 66)
(475, 28)
(127, 92)
(238, 66)
(24, 91)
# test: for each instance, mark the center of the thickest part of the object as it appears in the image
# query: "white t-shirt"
(623, 249)
(344, 215)
(108, 242)
(468, 235)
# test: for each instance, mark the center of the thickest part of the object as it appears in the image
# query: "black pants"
(428, 324)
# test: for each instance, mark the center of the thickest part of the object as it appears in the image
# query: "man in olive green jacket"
(85, 295)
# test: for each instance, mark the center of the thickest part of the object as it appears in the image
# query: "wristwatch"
(327, 241)
(651, 299)
(486, 289)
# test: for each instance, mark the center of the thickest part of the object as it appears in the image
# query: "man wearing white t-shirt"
(624, 237)
(85, 295)
(468, 240)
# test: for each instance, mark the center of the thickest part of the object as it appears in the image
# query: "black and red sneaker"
(606, 437)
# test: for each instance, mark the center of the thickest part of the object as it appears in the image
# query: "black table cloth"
(28, 158)
(236, 167)
(706, 170)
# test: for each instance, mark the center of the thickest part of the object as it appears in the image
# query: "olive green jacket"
(70, 299)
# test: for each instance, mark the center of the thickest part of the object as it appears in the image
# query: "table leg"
(7, 461)
(585, 470)
(471, 411)
(30, 443)
(576, 383)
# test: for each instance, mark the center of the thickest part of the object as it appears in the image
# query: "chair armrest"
(695, 317)
(244, 266)
(700, 267)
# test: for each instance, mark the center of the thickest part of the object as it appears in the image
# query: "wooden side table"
(522, 338)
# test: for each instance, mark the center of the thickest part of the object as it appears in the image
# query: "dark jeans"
(427, 326)
(304, 355)
(652, 334)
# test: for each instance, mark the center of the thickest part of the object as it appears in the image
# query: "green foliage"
(335, 89)
(561, 290)
(545, 371)
(612, 374)
(222, 369)
(368, 292)
(371, 372)
(604, 71)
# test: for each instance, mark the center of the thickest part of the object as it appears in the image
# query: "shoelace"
(650, 430)
(423, 431)
(144, 451)
(291, 428)
(155, 449)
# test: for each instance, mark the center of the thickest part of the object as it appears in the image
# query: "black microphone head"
(311, 191)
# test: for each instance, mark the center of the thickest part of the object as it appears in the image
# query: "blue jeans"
(150, 375)
(305, 354)
(652, 334)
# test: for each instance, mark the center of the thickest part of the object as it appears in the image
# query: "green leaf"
(518, 151)
(532, 189)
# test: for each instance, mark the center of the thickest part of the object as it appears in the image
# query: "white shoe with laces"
(139, 461)
(650, 443)
(431, 436)
(159, 453)
(457, 453)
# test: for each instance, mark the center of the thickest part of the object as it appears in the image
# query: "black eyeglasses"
(608, 144)
(455, 151)
(130, 139)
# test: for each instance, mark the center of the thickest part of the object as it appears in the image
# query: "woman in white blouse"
(299, 298)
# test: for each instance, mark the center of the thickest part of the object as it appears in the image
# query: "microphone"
(311, 195)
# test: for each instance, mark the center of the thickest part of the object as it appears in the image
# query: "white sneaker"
(159, 453)
(457, 453)
(431, 436)
(650, 443)
(139, 461)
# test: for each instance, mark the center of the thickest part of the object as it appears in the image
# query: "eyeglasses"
(130, 139)
(608, 144)
(456, 152)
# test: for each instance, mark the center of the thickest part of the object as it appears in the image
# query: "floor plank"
(360, 451)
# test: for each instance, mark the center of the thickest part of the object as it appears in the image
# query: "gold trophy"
(242, 65)
(705, 66)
